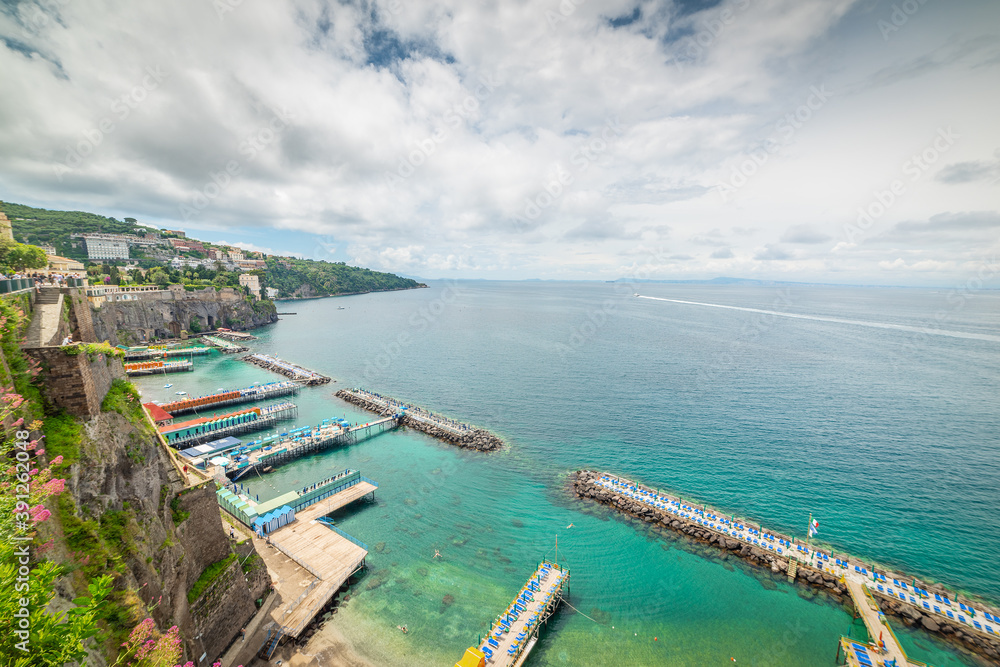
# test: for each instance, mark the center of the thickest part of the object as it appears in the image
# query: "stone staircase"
(45, 324)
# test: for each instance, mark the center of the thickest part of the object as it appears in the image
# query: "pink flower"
(39, 513)
(54, 486)
(57, 460)
(39, 452)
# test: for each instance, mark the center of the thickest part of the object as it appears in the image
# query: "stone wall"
(77, 383)
(81, 323)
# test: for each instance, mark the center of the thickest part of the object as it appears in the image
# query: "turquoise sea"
(887, 436)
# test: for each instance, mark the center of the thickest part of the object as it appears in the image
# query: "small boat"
(167, 386)
(341, 308)
(181, 393)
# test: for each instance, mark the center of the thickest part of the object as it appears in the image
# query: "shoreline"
(334, 296)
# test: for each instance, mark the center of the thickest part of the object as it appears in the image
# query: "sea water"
(886, 435)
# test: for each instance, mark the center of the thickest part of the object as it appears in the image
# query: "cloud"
(805, 234)
(772, 252)
(450, 138)
(970, 172)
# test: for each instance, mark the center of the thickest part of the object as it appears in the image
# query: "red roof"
(157, 413)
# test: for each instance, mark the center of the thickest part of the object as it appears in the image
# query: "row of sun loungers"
(528, 606)
(767, 541)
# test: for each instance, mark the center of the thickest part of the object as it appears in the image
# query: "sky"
(841, 141)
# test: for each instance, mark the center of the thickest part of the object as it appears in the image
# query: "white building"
(252, 282)
(106, 246)
(235, 254)
(272, 292)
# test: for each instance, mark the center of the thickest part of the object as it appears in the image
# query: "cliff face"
(165, 314)
(165, 534)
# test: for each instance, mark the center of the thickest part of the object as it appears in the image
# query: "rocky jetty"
(443, 428)
(584, 485)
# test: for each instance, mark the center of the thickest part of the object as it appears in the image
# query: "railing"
(370, 481)
(353, 569)
(297, 560)
(299, 599)
(329, 524)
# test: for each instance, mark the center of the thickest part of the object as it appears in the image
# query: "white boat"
(167, 386)
(181, 393)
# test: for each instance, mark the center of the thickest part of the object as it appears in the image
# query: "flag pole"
(809, 530)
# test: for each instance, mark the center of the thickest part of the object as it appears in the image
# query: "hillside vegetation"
(39, 225)
(303, 277)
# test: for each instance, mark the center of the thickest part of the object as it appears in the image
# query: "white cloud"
(460, 139)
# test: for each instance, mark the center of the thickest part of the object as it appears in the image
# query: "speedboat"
(167, 386)
(181, 393)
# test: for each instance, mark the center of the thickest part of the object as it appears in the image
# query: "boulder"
(929, 624)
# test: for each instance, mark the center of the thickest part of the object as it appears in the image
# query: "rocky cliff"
(165, 314)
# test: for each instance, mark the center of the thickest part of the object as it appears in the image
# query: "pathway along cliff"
(693, 523)
(419, 419)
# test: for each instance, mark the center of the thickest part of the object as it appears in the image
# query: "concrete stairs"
(45, 324)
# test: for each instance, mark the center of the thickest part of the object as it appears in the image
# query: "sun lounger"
(937, 609)
(962, 618)
(927, 606)
(976, 623)
(880, 589)
(951, 615)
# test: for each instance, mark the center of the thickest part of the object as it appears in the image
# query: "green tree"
(21, 256)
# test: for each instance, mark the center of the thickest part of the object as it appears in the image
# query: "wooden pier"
(514, 633)
(238, 336)
(133, 354)
(222, 345)
(155, 367)
(288, 369)
(309, 560)
(325, 436)
(203, 429)
(257, 392)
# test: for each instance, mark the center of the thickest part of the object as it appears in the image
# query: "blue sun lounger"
(951, 615)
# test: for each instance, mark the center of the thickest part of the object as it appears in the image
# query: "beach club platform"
(514, 633)
(308, 558)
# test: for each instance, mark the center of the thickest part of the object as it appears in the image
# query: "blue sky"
(832, 140)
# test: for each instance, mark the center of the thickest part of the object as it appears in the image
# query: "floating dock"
(288, 369)
(224, 346)
(928, 606)
(419, 419)
(154, 367)
(256, 392)
(311, 558)
(203, 429)
(229, 334)
(275, 450)
(138, 353)
(514, 633)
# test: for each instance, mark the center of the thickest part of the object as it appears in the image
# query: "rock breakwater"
(419, 419)
(587, 485)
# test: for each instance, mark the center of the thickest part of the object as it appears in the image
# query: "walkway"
(869, 612)
(309, 561)
(44, 327)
